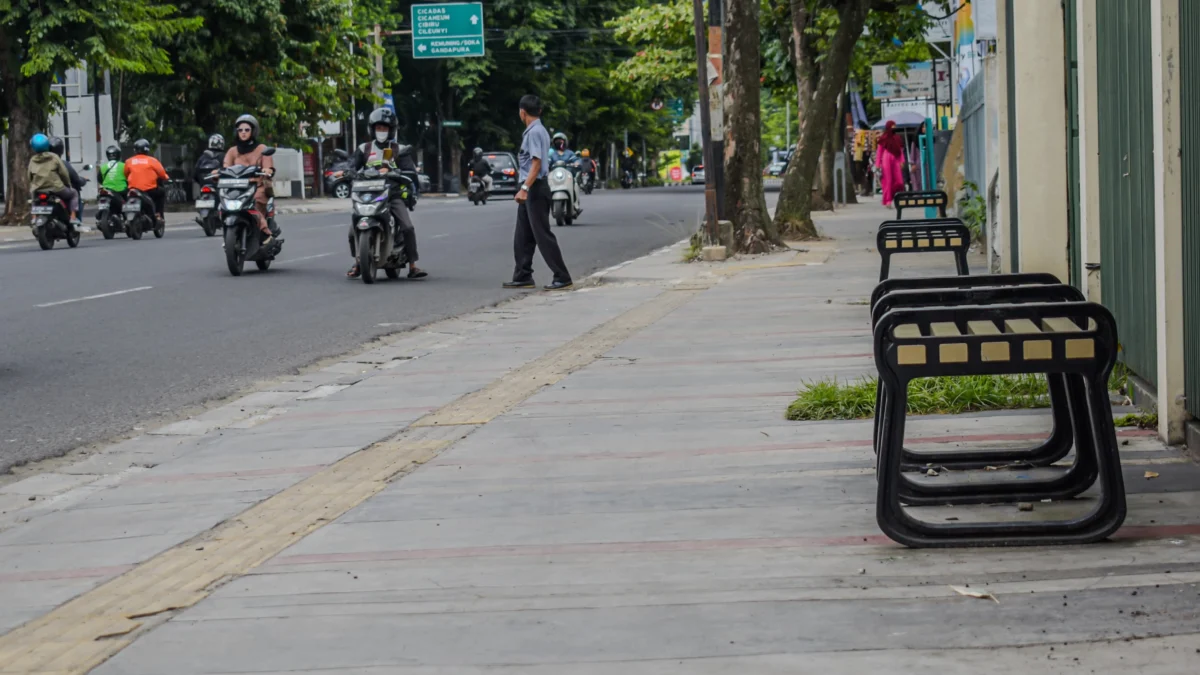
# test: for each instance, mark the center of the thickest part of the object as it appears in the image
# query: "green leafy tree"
(288, 62)
(666, 48)
(39, 41)
(827, 41)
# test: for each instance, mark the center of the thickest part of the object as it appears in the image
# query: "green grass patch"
(1139, 420)
(831, 399)
(834, 400)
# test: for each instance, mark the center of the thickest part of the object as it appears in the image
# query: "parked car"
(504, 171)
(337, 175)
(775, 169)
(698, 175)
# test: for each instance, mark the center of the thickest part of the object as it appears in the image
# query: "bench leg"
(885, 264)
(960, 262)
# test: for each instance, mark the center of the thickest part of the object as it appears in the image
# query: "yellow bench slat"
(908, 330)
(982, 328)
(1021, 327)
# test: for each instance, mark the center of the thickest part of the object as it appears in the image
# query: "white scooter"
(564, 194)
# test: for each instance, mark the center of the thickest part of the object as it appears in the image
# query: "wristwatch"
(524, 188)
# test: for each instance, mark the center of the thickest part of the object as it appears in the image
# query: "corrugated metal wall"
(1073, 187)
(1189, 79)
(1127, 261)
(974, 121)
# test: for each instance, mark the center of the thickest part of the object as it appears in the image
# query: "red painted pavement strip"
(251, 473)
(692, 545)
(765, 447)
(56, 575)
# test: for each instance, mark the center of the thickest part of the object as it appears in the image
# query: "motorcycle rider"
(145, 173)
(58, 147)
(48, 173)
(383, 124)
(587, 166)
(247, 151)
(559, 152)
(482, 169)
(111, 175)
(210, 161)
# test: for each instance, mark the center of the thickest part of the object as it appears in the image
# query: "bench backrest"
(921, 199)
(889, 285)
(984, 295)
(1053, 337)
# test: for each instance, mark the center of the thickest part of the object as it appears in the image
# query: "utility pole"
(716, 170)
(788, 124)
(710, 192)
(378, 87)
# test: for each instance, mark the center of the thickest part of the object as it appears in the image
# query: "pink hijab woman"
(889, 157)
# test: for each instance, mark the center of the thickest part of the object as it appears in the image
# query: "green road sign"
(452, 124)
(447, 31)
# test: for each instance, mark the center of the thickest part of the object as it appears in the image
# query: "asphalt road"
(99, 339)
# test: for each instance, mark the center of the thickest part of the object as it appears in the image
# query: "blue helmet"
(39, 143)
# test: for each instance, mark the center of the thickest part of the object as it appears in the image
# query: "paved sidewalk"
(589, 483)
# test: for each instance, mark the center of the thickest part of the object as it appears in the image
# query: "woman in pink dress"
(889, 157)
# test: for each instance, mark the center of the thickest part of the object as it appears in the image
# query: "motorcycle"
(587, 182)
(475, 190)
(209, 218)
(108, 213)
(51, 221)
(373, 237)
(140, 216)
(563, 194)
(626, 179)
(243, 239)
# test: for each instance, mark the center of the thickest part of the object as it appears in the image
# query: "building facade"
(1098, 175)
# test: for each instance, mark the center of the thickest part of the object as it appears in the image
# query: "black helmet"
(383, 116)
(56, 145)
(141, 147)
(478, 153)
(113, 152)
(216, 142)
(248, 119)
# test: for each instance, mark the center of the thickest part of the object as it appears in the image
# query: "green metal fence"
(1070, 33)
(1189, 103)
(1127, 260)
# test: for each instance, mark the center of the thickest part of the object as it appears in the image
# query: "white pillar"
(1168, 218)
(1089, 147)
(1039, 58)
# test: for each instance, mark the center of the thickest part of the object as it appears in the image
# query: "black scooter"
(243, 239)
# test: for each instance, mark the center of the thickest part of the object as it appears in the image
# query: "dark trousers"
(159, 197)
(533, 232)
(404, 228)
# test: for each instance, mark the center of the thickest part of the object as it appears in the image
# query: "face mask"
(382, 136)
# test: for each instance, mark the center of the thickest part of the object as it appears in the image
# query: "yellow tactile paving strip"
(85, 632)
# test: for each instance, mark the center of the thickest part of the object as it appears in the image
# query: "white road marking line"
(95, 297)
(307, 257)
(439, 236)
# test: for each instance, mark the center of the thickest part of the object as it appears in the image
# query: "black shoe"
(559, 286)
(520, 284)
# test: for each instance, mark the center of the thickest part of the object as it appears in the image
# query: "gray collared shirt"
(535, 143)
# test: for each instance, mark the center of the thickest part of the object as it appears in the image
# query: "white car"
(698, 175)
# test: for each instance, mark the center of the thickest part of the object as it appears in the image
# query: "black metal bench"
(1009, 478)
(923, 236)
(920, 199)
(1059, 443)
(1074, 339)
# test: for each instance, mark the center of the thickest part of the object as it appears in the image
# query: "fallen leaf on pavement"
(982, 595)
(1151, 474)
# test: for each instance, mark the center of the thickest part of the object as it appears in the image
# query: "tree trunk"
(793, 215)
(825, 173)
(26, 100)
(744, 197)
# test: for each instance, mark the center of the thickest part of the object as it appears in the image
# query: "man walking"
(533, 205)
